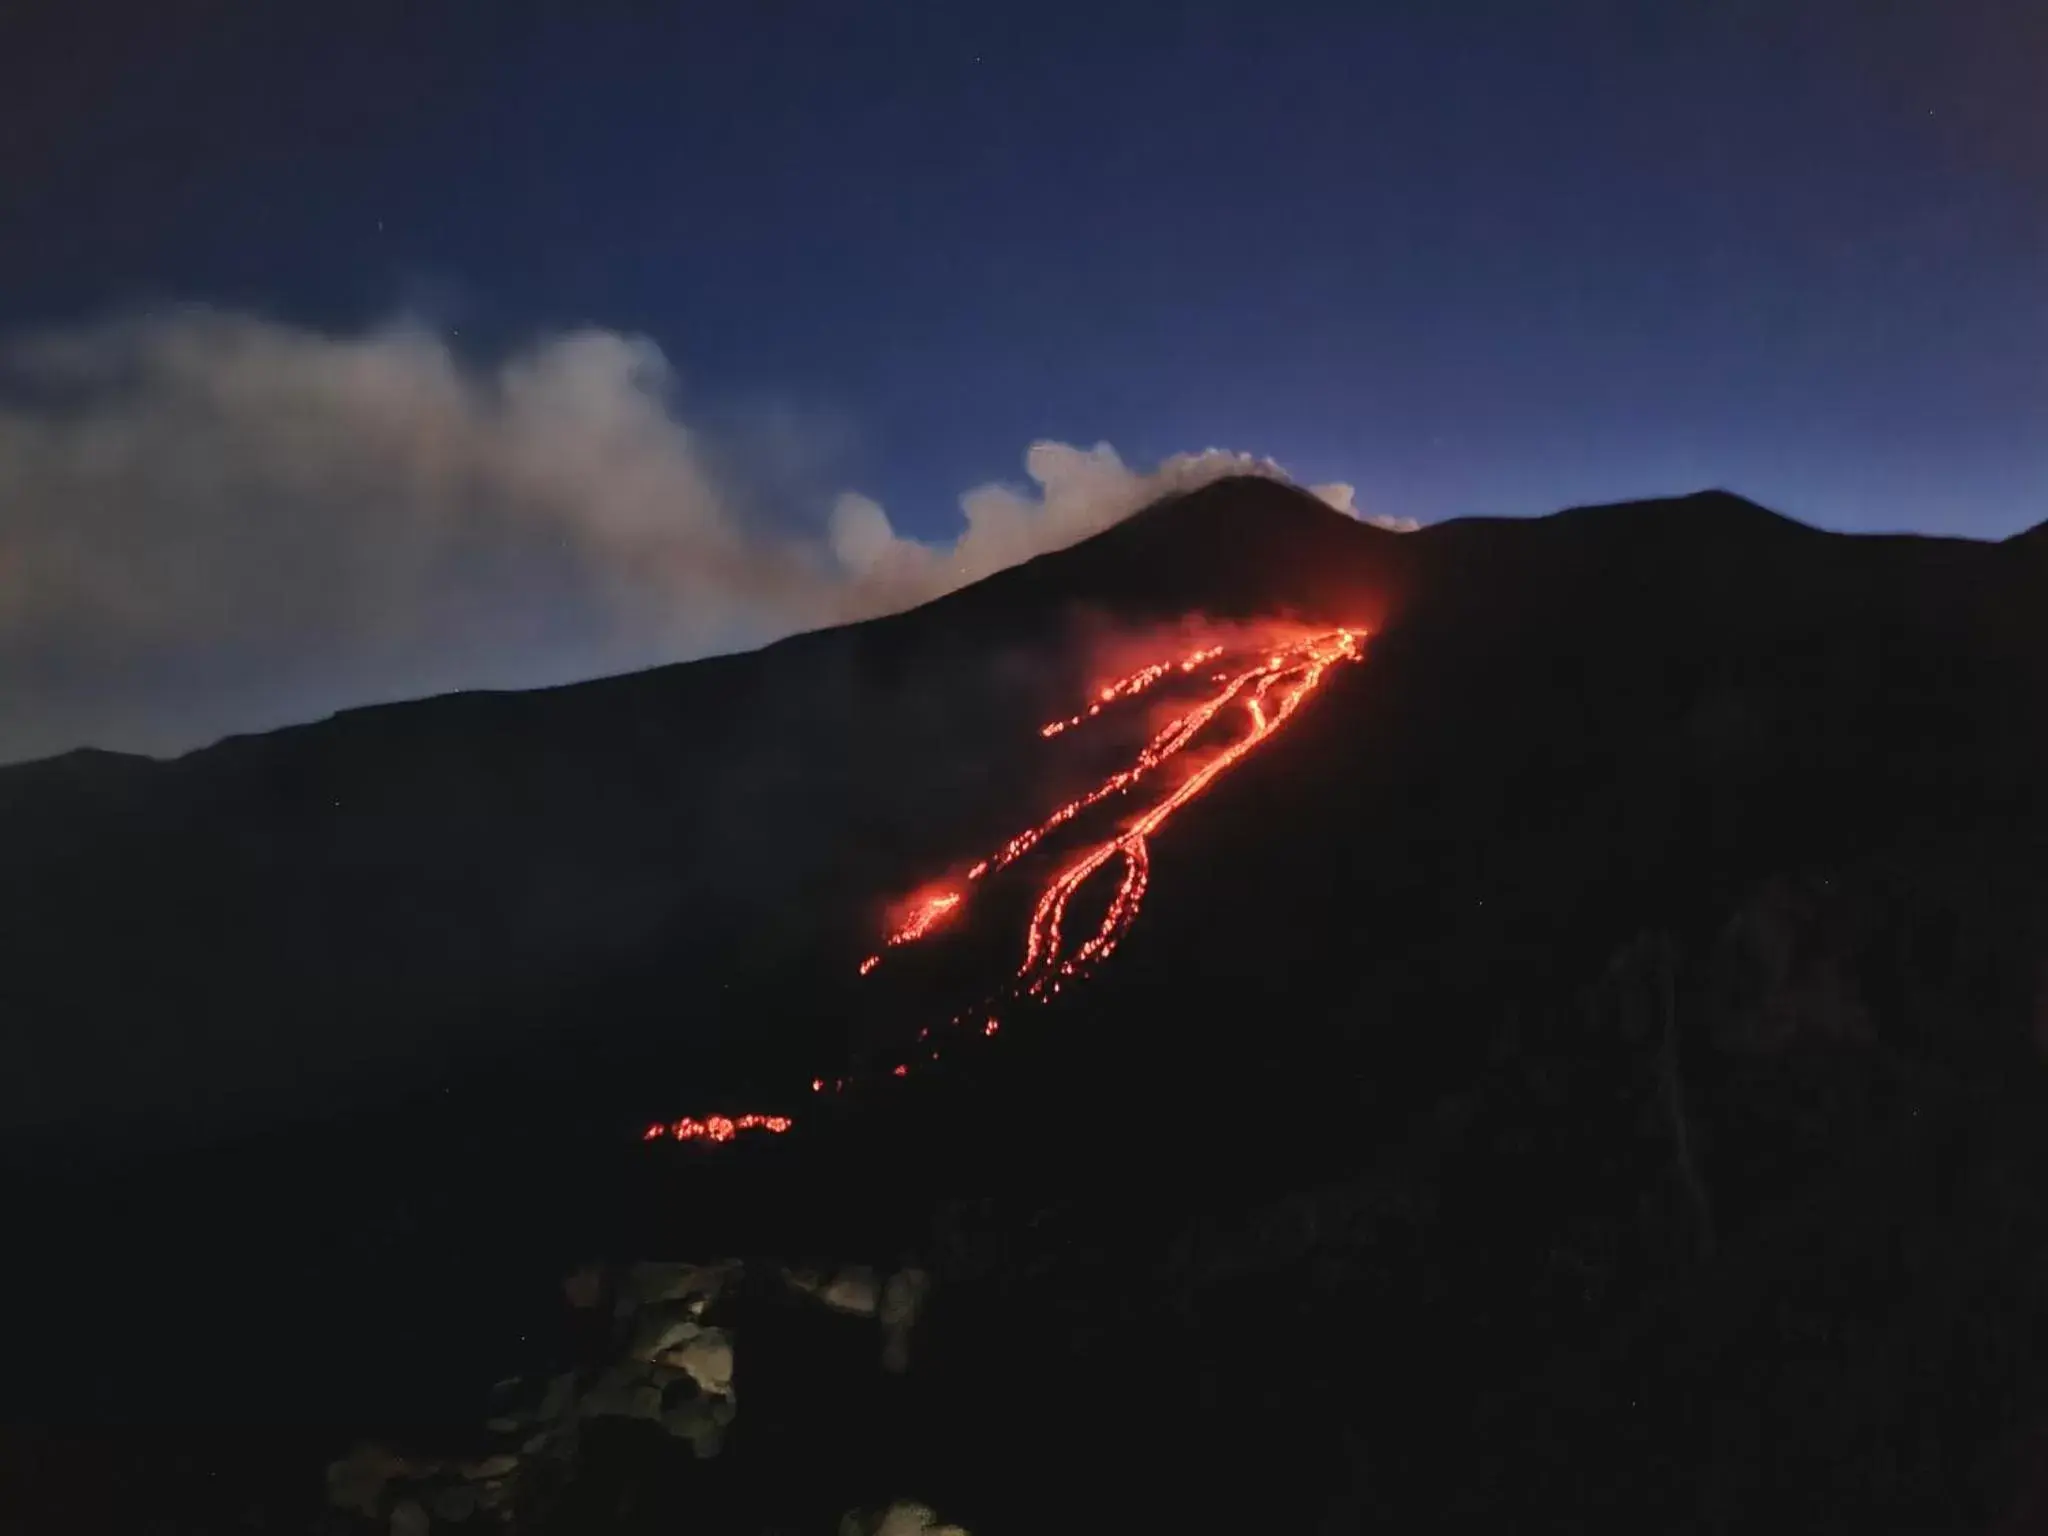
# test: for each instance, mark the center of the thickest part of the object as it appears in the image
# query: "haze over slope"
(214, 522)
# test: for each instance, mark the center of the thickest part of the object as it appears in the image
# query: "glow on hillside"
(1258, 687)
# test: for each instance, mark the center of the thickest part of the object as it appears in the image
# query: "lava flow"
(1269, 682)
(923, 917)
(1271, 688)
(714, 1127)
(1126, 687)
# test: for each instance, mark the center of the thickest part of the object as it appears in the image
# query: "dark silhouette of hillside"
(1588, 1068)
(260, 929)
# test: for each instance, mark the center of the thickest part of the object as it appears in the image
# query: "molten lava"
(924, 916)
(1286, 677)
(1128, 687)
(1271, 687)
(715, 1127)
(1268, 683)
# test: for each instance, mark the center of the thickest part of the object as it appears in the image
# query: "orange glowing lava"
(1268, 683)
(1128, 687)
(925, 916)
(1272, 691)
(715, 1127)
(1271, 686)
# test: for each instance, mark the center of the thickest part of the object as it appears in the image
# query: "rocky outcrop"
(407, 1495)
(900, 1519)
(674, 1365)
(856, 1292)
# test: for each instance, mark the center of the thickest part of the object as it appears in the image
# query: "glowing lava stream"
(715, 1127)
(1271, 688)
(1126, 687)
(1292, 675)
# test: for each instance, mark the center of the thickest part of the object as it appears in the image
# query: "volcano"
(1529, 1022)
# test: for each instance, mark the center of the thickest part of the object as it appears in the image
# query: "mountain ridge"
(1604, 1027)
(1312, 519)
(392, 852)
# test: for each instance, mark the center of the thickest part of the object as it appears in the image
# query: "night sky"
(1468, 258)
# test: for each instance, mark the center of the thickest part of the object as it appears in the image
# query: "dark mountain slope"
(1603, 1031)
(1651, 703)
(245, 930)
(413, 881)
(1641, 829)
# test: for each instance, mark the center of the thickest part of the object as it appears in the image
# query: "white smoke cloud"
(1076, 492)
(211, 521)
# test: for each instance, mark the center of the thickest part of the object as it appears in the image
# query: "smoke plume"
(211, 521)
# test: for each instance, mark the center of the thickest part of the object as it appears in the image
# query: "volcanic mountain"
(1591, 1016)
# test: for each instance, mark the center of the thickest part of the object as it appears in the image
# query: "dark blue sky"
(1472, 257)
